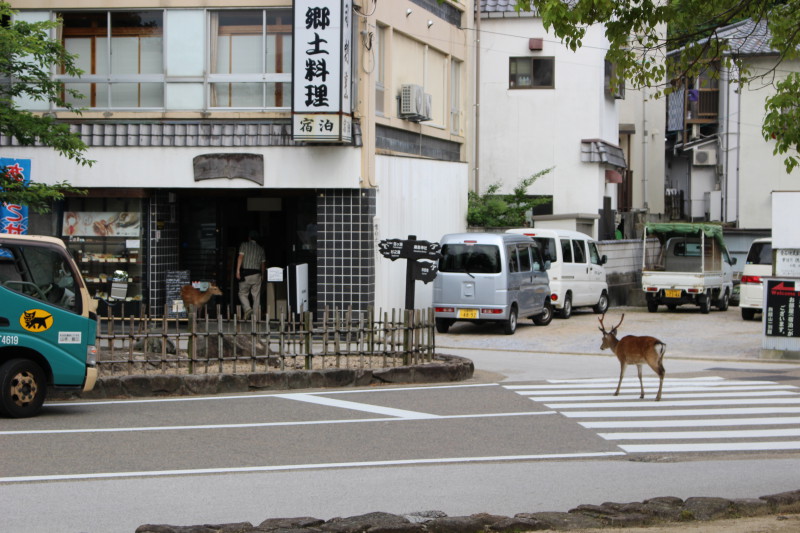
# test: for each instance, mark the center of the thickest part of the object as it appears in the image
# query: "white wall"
(284, 167)
(760, 172)
(418, 197)
(524, 131)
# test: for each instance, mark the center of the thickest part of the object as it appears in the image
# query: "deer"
(197, 298)
(633, 350)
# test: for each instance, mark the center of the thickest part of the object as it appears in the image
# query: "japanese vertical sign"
(322, 71)
(782, 307)
(13, 217)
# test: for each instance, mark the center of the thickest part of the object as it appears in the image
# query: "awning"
(600, 151)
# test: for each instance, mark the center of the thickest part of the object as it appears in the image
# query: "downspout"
(644, 149)
(476, 153)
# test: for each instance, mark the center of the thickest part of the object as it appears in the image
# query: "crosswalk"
(704, 414)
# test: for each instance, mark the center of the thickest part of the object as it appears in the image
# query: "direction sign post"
(413, 251)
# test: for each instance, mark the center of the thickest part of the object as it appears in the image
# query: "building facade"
(193, 112)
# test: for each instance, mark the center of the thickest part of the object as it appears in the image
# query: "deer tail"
(661, 349)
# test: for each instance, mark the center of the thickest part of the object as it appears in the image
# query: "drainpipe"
(476, 153)
(644, 149)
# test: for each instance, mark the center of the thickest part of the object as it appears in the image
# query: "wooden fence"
(228, 344)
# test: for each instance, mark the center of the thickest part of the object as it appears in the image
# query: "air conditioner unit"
(704, 156)
(412, 101)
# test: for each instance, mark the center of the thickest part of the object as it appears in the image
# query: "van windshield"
(760, 254)
(472, 258)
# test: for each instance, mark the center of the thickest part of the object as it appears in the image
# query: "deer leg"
(621, 374)
(661, 372)
(641, 385)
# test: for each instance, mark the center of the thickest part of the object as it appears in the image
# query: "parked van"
(491, 277)
(577, 275)
(751, 289)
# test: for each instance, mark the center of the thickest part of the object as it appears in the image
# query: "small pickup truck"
(691, 266)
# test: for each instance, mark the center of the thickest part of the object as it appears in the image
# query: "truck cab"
(48, 324)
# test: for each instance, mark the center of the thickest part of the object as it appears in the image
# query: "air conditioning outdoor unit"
(412, 101)
(704, 156)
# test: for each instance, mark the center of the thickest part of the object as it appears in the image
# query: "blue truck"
(48, 324)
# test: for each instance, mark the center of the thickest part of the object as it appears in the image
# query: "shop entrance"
(213, 223)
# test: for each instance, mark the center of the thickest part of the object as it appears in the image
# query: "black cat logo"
(36, 320)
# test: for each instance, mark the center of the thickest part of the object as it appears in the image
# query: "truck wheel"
(722, 303)
(547, 315)
(602, 304)
(510, 325)
(566, 311)
(748, 313)
(652, 306)
(23, 388)
(704, 303)
(443, 324)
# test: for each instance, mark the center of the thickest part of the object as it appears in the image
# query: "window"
(531, 72)
(594, 255)
(251, 58)
(579, 251)
(475, 259)
(566, 250)
(380, 69)
(548, 247)
(134, 39)
(524, 257)
(455, 96)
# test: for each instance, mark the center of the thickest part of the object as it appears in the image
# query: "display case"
(107, 247)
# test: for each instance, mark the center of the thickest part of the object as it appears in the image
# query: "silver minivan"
(491, 277)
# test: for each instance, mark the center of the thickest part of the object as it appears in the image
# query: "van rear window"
(548, 247)
(760, 254)
(475, 258)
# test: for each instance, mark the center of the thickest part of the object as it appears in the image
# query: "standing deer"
(633, 350)
(196, 297)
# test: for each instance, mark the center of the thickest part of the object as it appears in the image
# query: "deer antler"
(603, 327)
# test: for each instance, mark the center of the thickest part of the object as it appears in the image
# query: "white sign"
(275, 274)
(321, 70)
(69, 337)
(787, 262)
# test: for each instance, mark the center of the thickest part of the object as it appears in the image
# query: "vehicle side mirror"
(603, 259)
(547, 265)
(733, 261)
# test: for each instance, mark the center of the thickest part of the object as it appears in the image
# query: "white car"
(751, 289)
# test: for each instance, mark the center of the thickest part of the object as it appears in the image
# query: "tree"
(27, 55)
(638, 46)
(492, 210)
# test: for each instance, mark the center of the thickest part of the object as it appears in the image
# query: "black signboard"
(425, 271)
(174, 281)
(413, 250)
(782, 308)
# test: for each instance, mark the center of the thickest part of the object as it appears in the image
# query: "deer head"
(609, 337)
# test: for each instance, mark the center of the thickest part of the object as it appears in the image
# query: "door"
(597, 274)
(573, 270)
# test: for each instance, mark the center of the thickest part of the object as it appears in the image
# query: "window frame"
(513, 76)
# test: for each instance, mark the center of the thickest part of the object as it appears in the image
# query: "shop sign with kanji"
(321, 71)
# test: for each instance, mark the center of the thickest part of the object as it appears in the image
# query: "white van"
(577, 274)
(490, 277)
(751, 289)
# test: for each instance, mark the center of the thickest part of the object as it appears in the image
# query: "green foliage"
(639, 42)
(27, 55)
(491, 210)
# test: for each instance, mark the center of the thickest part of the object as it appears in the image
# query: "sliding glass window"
(121, 54)
(250, 59)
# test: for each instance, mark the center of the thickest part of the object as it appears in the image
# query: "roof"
(687, 228)
(747, 37)
(497, 6)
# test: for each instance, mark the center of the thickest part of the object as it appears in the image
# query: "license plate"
(672, 293)
(467, 313)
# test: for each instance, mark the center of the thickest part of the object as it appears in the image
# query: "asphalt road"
(536, 430)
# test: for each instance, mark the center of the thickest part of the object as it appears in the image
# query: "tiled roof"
(497, 6)
(747, 37)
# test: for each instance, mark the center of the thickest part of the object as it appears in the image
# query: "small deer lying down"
(633, 350)
(196, 297)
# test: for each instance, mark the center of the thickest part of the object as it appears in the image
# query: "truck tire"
(602, 304)
(546, 316)
(510, 325)
(566, 311)
(23, 387)
(705, 304)
(652, 306)
(722, 303)
(748, 313)
(443, 324)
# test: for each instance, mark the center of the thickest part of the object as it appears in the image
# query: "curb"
(446, 368)
(656, 511)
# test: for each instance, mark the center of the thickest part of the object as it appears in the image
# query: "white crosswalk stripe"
(706, 414)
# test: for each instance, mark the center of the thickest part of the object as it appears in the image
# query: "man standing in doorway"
(250, 266)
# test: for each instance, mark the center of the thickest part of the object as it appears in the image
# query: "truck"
(48, 324)
(689, 264)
